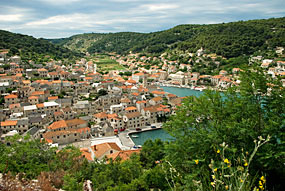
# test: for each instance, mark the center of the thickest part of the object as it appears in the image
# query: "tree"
(102, 92)
(237, 117)
(28, 156)
(152, 151)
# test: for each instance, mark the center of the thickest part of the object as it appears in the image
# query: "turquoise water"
(182, 92)
(152, 134)
(160, 133)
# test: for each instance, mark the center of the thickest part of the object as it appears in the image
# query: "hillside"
(29, 47)
(226, 39)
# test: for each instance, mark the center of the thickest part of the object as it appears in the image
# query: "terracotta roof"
(57, 124)
(123, 155)
(58, 113)
(52, 97)
(42, 70)
(125, 100)
(56, 81)
(131, 81)
(166, 110)
(101, 115)
(53, 73)
(40, 105)
(156, 99)
(73, 122)
(135, 94)
(171, 95)
(50, 134)
(102, 148)
(139, 102)
(131, 108)
(112, 116)
(38, 93)
(26, 81)
(9, 123)
(33, 97)
(132, 115)
(16, 105)
(226, 79)
(158, 92)
(86, 154)
(10, 96)
(151, 109)
(139, 74)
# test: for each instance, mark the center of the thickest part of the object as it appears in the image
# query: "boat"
(135, 136)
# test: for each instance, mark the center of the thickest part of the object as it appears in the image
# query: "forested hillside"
(226, 39)
(29, 47)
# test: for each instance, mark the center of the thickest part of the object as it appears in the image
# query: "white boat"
(135, 136)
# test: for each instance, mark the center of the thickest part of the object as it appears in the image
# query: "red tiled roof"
(101, 115)
(9, 123)
(130, 108)
(10, 96)
(33, 97)
(123, 155)
(102, 148)
(132, 115)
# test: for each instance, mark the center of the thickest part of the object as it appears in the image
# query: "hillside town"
(80, 104)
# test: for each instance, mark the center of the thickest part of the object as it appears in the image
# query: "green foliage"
(31, 48)
(28, 156)
(226, 39)
(71, 184)
(102, 92)
(237, 117)
(152, 151)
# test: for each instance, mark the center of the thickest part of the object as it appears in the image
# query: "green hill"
(29, 47)
(226, 39)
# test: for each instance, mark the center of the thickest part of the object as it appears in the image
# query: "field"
(105, 63)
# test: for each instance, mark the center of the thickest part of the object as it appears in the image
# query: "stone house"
(156, 100)
(43, 72)
(99, 151)
(33, 100)
(133, 120)
(21, 125)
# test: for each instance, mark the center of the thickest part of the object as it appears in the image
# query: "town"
(97, 106)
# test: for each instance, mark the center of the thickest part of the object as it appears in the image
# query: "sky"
(64, 18)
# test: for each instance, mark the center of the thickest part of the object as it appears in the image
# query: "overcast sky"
(64, 18)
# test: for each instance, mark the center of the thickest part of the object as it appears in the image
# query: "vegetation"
(226, 39)
(104, 63)
(30, 48)
(197, 159)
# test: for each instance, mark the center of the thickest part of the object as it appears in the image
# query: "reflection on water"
(182, 92)
(141, 137)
